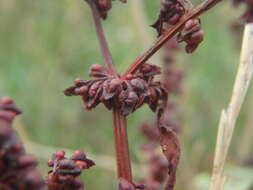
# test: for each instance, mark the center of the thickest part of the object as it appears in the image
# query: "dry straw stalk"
(230, 115)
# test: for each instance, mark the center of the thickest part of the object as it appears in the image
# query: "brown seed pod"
(125, 94)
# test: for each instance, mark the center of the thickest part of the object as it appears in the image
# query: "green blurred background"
(46, 44)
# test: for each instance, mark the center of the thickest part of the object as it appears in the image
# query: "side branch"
(102, 40)
(168, 34)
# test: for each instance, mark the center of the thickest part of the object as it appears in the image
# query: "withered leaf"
(171, 150)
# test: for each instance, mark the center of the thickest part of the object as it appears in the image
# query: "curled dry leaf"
(126, 94)
(171, 150)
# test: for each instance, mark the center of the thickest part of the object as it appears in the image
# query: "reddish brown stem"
(168, 34)
(120, 125)
(102, 40)
(121, 146)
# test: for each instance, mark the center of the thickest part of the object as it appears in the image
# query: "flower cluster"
(248, 15)
(126, 94)
(17, 170)
(170, 14)
(65, 172)
(103, 6)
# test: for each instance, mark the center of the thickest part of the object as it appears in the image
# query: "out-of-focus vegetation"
(46, 44)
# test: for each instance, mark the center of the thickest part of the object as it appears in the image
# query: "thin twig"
(102, 40)
(168, 34)
(230, 115)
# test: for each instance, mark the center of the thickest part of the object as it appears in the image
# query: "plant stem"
(120, 125)
(121, 146)
(168, 34)
(230, 115)
(102, 40)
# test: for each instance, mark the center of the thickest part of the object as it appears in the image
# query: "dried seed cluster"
(17, 170)
(126, 94)
(191, 34)
(65, 172)
(248, 14)
(170, 14)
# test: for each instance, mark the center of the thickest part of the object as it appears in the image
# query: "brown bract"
(126, 94)
(171, 149)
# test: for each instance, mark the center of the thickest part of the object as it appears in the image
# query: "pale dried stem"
(246, 139)
(230, 115)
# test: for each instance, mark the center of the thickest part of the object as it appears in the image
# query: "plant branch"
(169, 33)
(121, 146)
(102, 40)
(230, 115)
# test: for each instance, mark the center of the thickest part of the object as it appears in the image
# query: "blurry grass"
(46, 44)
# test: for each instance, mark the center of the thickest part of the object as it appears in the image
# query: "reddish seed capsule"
(81, 91)
(114, 84)
(132, 98)
(146, 68)
(93, 89)
(67, 164)
(60, 154)
(81, 164)
(79, 152)
(129, 76)
(50, 163)
(138, 84)
(96, 68)
(78, 155)
(105, 4)
(174, 19)
(6, 100)
(77, 80)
